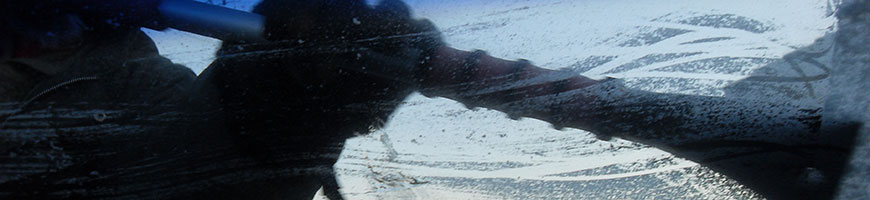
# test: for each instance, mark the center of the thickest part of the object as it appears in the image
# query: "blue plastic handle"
(213, 21)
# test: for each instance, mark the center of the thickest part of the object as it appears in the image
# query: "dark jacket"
(107, 126)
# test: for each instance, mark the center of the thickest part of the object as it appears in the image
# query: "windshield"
(776, 52)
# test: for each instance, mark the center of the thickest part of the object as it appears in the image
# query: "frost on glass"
(741, 65)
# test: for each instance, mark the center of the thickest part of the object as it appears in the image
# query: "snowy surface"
(438, 149)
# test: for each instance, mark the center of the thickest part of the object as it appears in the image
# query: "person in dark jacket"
(88, 110)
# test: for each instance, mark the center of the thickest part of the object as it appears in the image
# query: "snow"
(434, 148)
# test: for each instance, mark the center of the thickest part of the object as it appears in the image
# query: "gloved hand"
(293, 100)
(310, 85)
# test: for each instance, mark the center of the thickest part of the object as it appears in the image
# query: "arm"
(774, 148)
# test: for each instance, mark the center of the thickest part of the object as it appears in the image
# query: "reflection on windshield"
(714, 100)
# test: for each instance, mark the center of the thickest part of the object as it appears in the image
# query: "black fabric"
(17, 81)
(80, 133)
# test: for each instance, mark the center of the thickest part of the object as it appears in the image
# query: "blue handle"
(213, 21)
(187, 15)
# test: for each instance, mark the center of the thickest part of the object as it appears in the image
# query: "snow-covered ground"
(438, 149)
